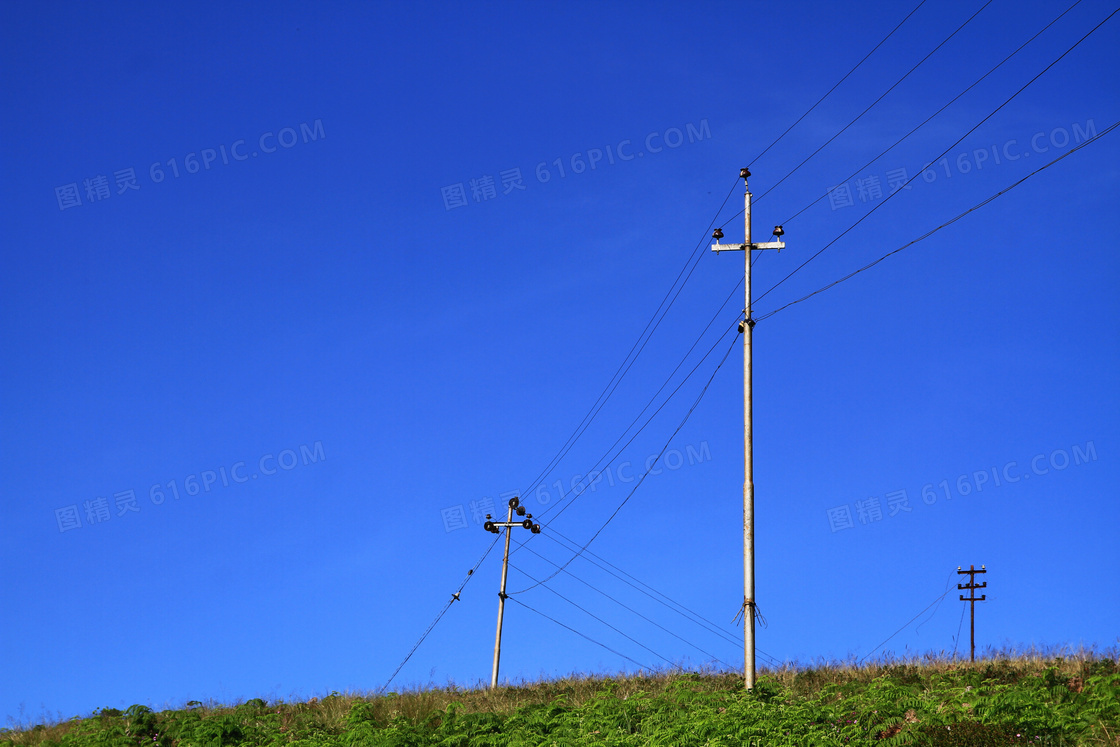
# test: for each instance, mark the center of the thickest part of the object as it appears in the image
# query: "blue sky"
(290, 296)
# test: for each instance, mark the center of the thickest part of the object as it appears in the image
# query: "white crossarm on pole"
(718, 247)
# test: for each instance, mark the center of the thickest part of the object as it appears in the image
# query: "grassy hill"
(998, 701)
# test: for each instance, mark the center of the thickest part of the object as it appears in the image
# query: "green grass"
(1001, 700)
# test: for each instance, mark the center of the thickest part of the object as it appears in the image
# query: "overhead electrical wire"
(592, 615)
(912, 131)
(943, 108)
(957, 637)
(582, 635)
(904, 627)
(935, 158)
(667, 601)
(1107, 130)
(873, 103)
(949, 222)
(953, 220)
(695, 257)
(454, 598)
(869, 108)
(628, 362)
(656, 320)
(641, 479)
(585, 546)
(837, 84)
(773, 661)
(626, 607)
(918, 630)
(695, 618)
(692, 260)
(688, 614)
(682, 610)
(572, 498)
(470, 573)
(577, 493)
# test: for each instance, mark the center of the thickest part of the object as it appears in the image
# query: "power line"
(871, 105)
(696, 618)
(822, 98)
(694, 259)
(896, 143)
(581, 635)
(915, 617)
(560, 568)
(624, 368)
(943, 108)
(1109, 129)
(454, 598)
(935, 158)
(625, 607)
(834, 87)
(597, 406)
(595, 617)
(798, 268)
(577, 494)
(639, 345)
(470, 573)
(869, 108)
(957, 638)
(918, 630)
(773, 661)
(949, 222)
(646, 473)
(650, 420)
(920, 125)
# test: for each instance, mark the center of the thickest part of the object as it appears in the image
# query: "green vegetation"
(997, 701)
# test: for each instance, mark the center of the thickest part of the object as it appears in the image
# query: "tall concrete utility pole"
(972, 599)
(494, 526)
(746, 327)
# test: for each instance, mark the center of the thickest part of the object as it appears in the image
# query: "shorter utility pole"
(972, 599)
(494, 526)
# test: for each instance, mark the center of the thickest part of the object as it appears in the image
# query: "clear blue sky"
(361, 280)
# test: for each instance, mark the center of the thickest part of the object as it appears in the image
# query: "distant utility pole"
(494, 526)
(972, 599)
(746, 327)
